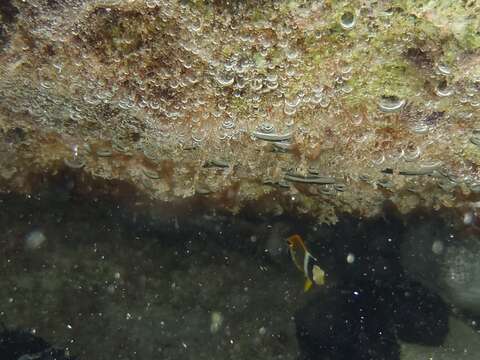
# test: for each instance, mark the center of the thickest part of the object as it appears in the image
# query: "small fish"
(305, 262)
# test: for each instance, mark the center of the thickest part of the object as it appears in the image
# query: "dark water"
(94, 271)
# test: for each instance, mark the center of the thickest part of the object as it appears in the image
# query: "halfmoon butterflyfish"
(305, 262)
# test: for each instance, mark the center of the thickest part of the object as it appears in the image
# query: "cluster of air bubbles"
(216, 80)
(342, 80)
(266, 127)
(266, 132)
(318, 96)
(426, 122)
(412, 153)
(291, 104)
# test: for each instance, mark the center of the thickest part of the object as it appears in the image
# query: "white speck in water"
(34, 240)
(262, 331)
(468, 218)
(350, 258)
(437, 247)
(216, 322)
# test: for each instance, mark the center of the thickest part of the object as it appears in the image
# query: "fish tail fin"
(308, 285)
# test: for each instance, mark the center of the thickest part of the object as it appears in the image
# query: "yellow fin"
(318, 275)
(308, 285)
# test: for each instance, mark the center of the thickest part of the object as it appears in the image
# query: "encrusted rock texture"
(319, 107)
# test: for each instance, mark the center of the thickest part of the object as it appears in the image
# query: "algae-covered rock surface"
(324, 107)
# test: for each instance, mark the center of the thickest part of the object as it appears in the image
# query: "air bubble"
(411, 154)
(289, 110)
(443, 89)
(292, 54)
(391, 104)
(443, 69)
(151, 174)
(325, 101)
(419, 128)
(104, 152)
(347, 21)
(75, 161)
(293, 102)
(346, 89)
(198, 136)
(256, 84)
(225, 79)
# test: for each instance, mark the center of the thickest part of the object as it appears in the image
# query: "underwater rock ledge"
(337, 106)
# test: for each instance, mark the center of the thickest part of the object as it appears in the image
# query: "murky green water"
(113, 277)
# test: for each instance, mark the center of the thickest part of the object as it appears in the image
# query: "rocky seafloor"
(101, 271)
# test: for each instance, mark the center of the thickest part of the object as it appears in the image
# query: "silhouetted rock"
(420, 315)
(346, 324)
(23, 345)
